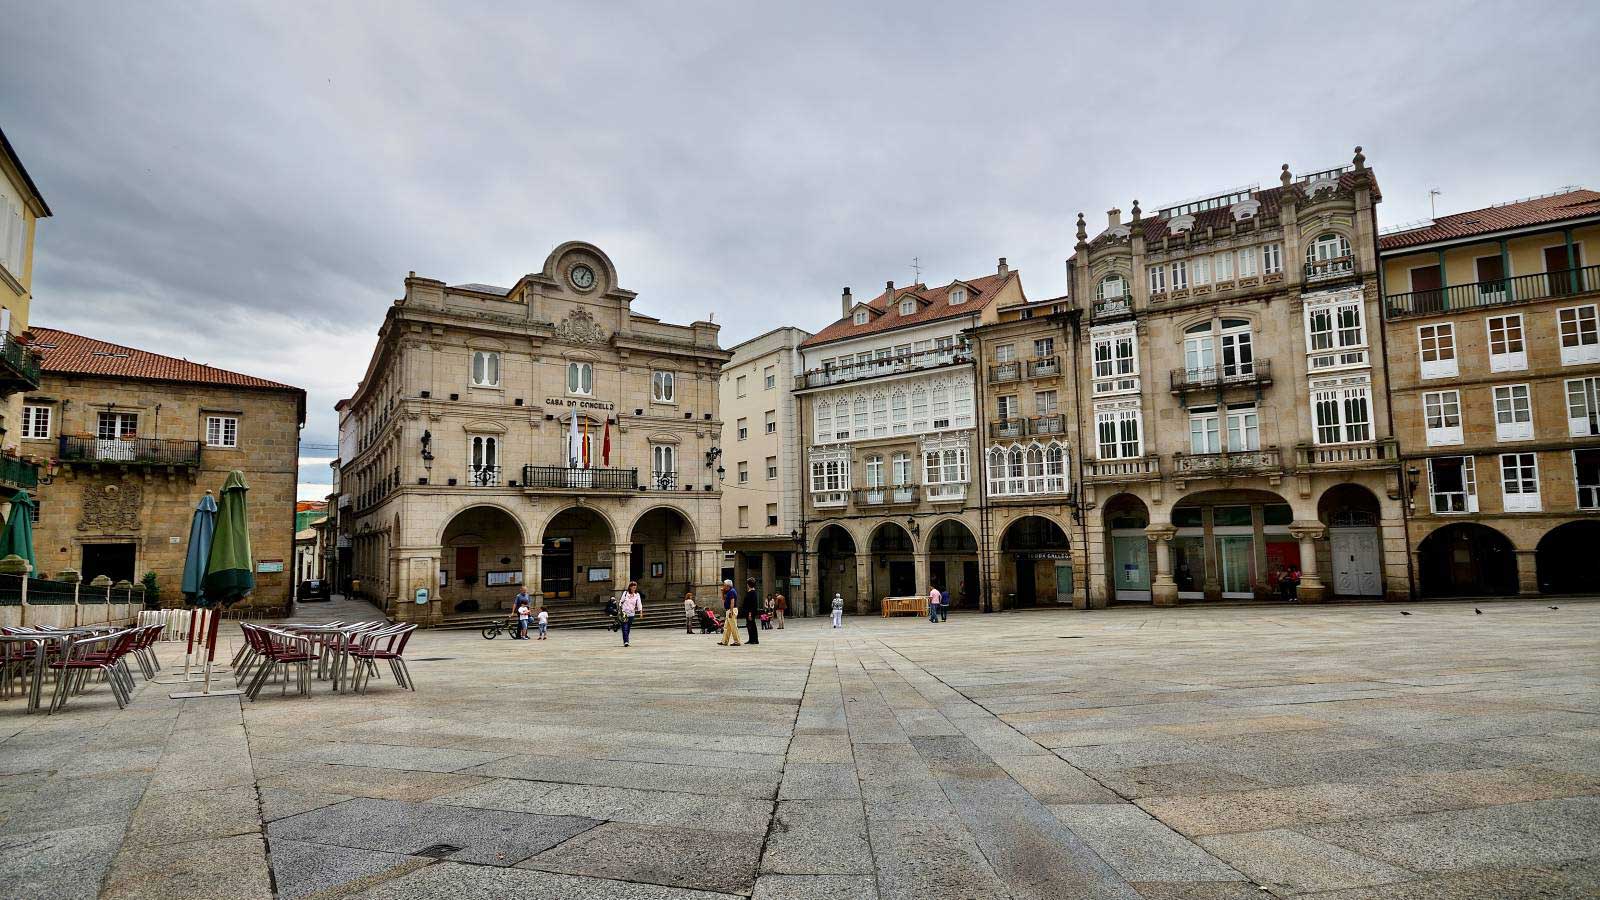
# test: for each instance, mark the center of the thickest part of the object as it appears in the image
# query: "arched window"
(1035, 483)
(580, 378)
(997, 470)
(1112, 287)
(1329, 255)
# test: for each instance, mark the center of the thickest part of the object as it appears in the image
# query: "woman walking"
(691, 612)
(632, 605)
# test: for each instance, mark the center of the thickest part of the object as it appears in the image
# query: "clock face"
(582, 277)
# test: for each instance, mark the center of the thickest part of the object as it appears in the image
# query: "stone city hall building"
(1494, 361)
(1234, 401)
(459, 472)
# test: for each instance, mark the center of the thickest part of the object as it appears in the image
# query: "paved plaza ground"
(1332, 752)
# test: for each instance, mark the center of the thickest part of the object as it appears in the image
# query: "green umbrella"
(230, 571)
(17, 536)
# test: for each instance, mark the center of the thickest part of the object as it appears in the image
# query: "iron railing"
(564, 478)
(1496, 292)
(1010, 428)
(1256, 372)
(1006, 371)
(887, 365)
(131, 451)
(484, 476)
(1044, 367)
(887, 496)
(22, 362)
(664, 481)
(18, 473)
(1054, 424)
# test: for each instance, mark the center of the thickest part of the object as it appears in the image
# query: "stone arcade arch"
(1230, 544)
(1355, 545)
(953, 563)
(481, 562)
(579, 557)
(1465, 559)
(894, 566)
(1565, 558)
(661, 554)
(1127, 549)
(1036, 563)
(836, 568)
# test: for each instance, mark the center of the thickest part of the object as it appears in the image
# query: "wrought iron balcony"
(1257, 373)
(1044, 367)
(19, 366)
(1006, 371)
(1236, 462)
(887, 365)
(1383, 453)
(569, 479)
(1136, 468)
(17, 473)
(1010, 428)
(663, 481)
(1497, 292)
(1330, 269)
(902, 495)
(1054, 424)
(131, 451)
(484, 476)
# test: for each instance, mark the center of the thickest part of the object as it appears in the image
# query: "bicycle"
(495, 629)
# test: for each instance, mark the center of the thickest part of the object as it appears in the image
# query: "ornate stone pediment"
(112, 507)
(580, 328)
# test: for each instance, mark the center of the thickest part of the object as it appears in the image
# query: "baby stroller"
(709, 623)
(766, 621)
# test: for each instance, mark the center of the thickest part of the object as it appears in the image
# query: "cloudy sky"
(271, 171)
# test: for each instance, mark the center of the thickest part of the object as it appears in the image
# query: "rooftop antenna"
(1432, 194)
(916, 270)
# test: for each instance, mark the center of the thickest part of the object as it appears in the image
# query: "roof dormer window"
(861, 317)
(907, 307)
(958, 296)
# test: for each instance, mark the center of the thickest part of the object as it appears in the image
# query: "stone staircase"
(574, 616)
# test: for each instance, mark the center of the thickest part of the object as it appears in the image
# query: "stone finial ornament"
(1136, 214)
(1285, 178)
(1360, 160)
(1083, 230)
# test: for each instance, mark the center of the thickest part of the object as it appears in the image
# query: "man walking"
(730, 615)
(933, 604)
(752, 611)
(782, 606)
(838, 611)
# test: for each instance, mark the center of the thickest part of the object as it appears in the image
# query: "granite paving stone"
(1289, 861)
(363, 781)
(663, 808)
(815, 887)
(302, 869)
(64, 865)
(231, 868)
(676, 857)
(464, 882)
(486, 836)
(817, 837)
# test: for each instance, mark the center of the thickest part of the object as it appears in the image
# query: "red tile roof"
(65, 353)
(934, 304)
(1560, 207)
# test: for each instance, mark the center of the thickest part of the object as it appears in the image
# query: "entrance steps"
(574, 616)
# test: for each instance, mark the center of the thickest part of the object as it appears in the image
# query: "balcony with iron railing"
(1134, 468)
(886, 365)
(1257, 373)
(1495, 292)
(1228, 463)
(663, 481)
(1009, 428)
(888, 495)
(1383, 453)
(130, 451)
(20, 365)
(1044, 367)
(1320, 270)
(484, 476)
(1051, 424)
(1054, 423)
(563, 478)
(1006, 371)
(18, 473)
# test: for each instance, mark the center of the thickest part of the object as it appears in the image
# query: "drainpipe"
(1075, 320)
(980, 468)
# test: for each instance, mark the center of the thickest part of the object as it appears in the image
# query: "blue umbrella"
(201, 529)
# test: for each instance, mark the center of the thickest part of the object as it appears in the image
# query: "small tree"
(152, 591)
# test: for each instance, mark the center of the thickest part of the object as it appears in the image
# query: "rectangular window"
(1158, 279)
(823, 416)
(738, 386)
(899, 417)
(1007, 408)
(1583, 407)
(222, 431)
(1200, 270)
(772, 468)
(661, 387)
(1519, 481)
(1272, 259)
(1205, 435)
(113, 426)
(880, 416)
(919, 409)
(1247, 262)
(1441, 414)
(1342, 415)
(1224, 265)
(1507, 353)
(772, 515)
(744, 517)
(1116, 364)
(874, 472)
(1336, 335)
(1004, 353)
(769, 378)
(858, 418)
(1513, 413)
(771, 421)
(1180, 275)
(485, 369)
(1044, 403)
(580, 378)
(36, 422)
(1586, 474)
(1437, 350)
(1117, 433)
(1580, 339)
(1244, 429)
(744, 472)
(1044, 347)
(1452, 485)
(743, 427)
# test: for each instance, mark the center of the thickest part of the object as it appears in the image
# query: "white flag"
(574, 448)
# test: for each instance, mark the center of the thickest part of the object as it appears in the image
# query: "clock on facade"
(582, 277)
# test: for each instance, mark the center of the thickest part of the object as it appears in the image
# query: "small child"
(544, 622)
(522, 621)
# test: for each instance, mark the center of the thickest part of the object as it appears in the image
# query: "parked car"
(313, 590)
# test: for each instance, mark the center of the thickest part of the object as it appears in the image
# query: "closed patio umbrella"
(201, 527)
(17, 536)
(229, 571)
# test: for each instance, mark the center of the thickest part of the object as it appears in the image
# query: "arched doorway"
(953, 563)
(894, 568)
(1037, 563)
(1565, 558)
(1127, 548)
(481, 566)
(836, 568)
(579, 555)
(1231, 544)
(1354, 547)
(661, 556)
(1466, 559)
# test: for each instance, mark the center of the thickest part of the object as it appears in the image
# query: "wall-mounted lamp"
(1078, 509)
(911, 523)
(427, 450)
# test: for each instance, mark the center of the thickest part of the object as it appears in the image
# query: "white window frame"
(830, 473)
(958, 296)
(872, 473)
(1583, 406)
(1513, 412)
(1334, 404)
(1507, 360)
(741, 428)
(483, 460)
(123, 425)
(1119, 431)
(772, 468)
(742, 472)
(1247, 262)
(485, 368)
(36, 422)
(1441, 417)
(1114, 360)
(1102, 291)
(1223, 266)
(1336, 347)
(222, 432)
(662, 385)
(769, 378)
(1205, 430)
(1243, 433)
(908, 307)
(1454, 502)
(1271, 259)
(1158, 279)
(580, 379)
(1180, 275)
(900, 470)
(770, 421)
(1579, 328)
(860, 318)
(1519, 482)
(945, 462)
(1439, 341)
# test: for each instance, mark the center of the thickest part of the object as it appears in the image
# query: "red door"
(467, 565)
(1426, 295)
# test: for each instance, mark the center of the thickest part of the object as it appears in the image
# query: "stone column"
(1527, 573)
(768, 572)
(532, 573)
(741, 570)
(1163, 590)
(919, 565)
(1213, 574)
(1308, 533)
(865, 601)
(622, 556)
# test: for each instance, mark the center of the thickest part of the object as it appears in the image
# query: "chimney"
(845, 302)
(888, 293)
(1113, 217)
(1002, 269)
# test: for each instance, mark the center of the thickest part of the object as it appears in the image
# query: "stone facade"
(123, 506)
(21, 208)
(1234, 408)
(1494, 360)
(760, 461)
(889, 418)
(457, 471)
